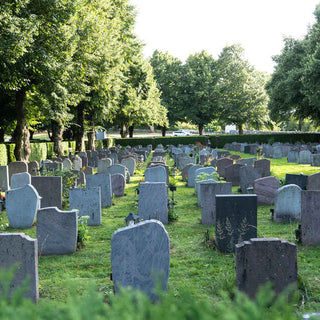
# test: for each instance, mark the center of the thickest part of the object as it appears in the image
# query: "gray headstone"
(247, 176)
(4, 178)
(313, 181)
(57, 231)
(315, 160)
(67, 164)
(310, 218)
(50, 190)
(232, 173)
(22, 205)
(114, 158)
(84, 161)
(192, 175)
(77, 163)
(222, 164)
(104, 164)
(153, 201)
(19, 180)
(305, 157)
(247, 161)
(287, 205)
(208, 193)
(18, 248)
(203, 174)
(118, 168)
(17, 167)
(156, 174)
(300, 180)
(236, 220)
(266, 189)
(267, 150)
(88, 202)
(104, 182)
(88, 170)
(183, 161)
(130, 163)
(277, 152)
(33, 168)
(118, 184)
(259, 261)
(140, 257)
(293, 156)
(184, 172)
(264, 165)
(198, 189)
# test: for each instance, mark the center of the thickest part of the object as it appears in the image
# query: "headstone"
(33, 168)
(130, 163)
(4, 178)
(267, 150)
(198, 189)
(266, 189)
(88, 170)
(88, 202)
(315, 160)
(264, 164)
(183, 161)
(118, 184)
(287, 205)
(67, 164)
(277, 151)
(208, 193)
(104, 164)
(293, 156)
(84, 161)
(104, 182)
(185, 170)
(305, 157)
(20, 249)
(57, 231)
(192, 175)
(17, 167)
(77, 163)
(119, 168)
(259, 261)
(313, 181)
(114, 157)
(247, 176)
(155, 174)
(19, 180)
(22, 205)
(247, 161)
(140, 257)
(153, 201)
(203, 174)
(50, 190)
(236, 220)
(232, 173)
(52, 166)
(300, 180)
(222, 164)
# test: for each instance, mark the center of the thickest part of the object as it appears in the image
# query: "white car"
(181, 133)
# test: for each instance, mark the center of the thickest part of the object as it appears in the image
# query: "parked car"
(181, 133)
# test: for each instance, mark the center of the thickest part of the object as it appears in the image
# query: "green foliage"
(83, 231)
(10, 152)
(50, 150)
(38, 151)
(98, 144)
(3, 155)
(65, 147)
(108, 142)
(72, 145)
(206, 176)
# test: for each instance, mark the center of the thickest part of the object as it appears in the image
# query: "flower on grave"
(186, 176)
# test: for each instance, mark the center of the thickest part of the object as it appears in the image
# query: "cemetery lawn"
(194, 262)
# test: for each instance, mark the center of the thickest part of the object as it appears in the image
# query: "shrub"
(38, 151)
(50, 148)
(10, 152)
(3, 155)
(72, 145)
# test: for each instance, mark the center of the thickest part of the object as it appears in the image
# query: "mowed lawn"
(194, 262)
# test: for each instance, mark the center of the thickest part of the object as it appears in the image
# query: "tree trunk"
(57, 131)
(91, 136)
(1, 135)
(123, 130)
(21, 133)
(131, 128)
(200, 128)
(300, 123)
(31, 134)
(240, 129)
(79, 132)
(163, 131)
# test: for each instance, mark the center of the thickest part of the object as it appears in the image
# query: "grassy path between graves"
(194, 263)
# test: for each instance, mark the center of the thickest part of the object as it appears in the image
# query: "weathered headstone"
(77, 163)
(33, 168)
(18, 248)
(17, 167)
(4, 178)
(118, 183)
(119, 168)
(264, 164)
(104, 164)
(203, 174)
(104, 182)
(293, 156)
(57, 231)
(305, 157)
(50, 190)
(300, 180)
(155, 174)
(247, 161)
(313, 182)
(287, 205)
(198, 189)
(67, 164)
(222, 164)
(22, 205)
(266, 189)
(19, 180)
(88, 202)
(130, 163)
(153, 201)
(259, 261)
(208, 193)
(140, 257)
(277, 151)
(192, 175)
(232, 173)
(185, 170)
(236, 220)
(247, 176)
(183, 161)
(88, 170)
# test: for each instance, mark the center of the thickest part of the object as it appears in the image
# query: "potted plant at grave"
(172, 184)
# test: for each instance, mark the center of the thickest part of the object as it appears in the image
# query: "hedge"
(50, 150)
(72, 145)
(3, 155)
(101, 143)
(10, 152)
(38, 151)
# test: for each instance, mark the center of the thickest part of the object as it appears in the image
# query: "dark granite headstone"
(300, 180)
(266, 189)
(264, 164)
(222, 164)
(259, 261)
(247, 176)
(118, 183)
(232, 174)
(313, 182)
(236, 220)
(17, 167)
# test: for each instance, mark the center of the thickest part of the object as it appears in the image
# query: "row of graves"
(140, 252)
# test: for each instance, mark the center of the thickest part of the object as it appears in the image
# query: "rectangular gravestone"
(266, 189)
(264, 165)
(50, 189)
(88, 202)
(57, 231)
(236, 220)
(260, 261)
(104, 182)
(247, 176)
(17, 167)
(153, 201)
(300, 180)
(247, 161)
(293, 156)
(222, 164)
(232, 174)
(313, 182)
(18, 248)
(140, 257)
(208, 193)
(305, 157)
(4, 178)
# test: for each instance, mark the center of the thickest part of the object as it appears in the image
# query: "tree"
(242, 98)
(199, 94)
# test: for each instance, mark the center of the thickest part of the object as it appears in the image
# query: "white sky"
(184, 27)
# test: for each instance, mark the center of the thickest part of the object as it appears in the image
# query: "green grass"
(194, 264)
